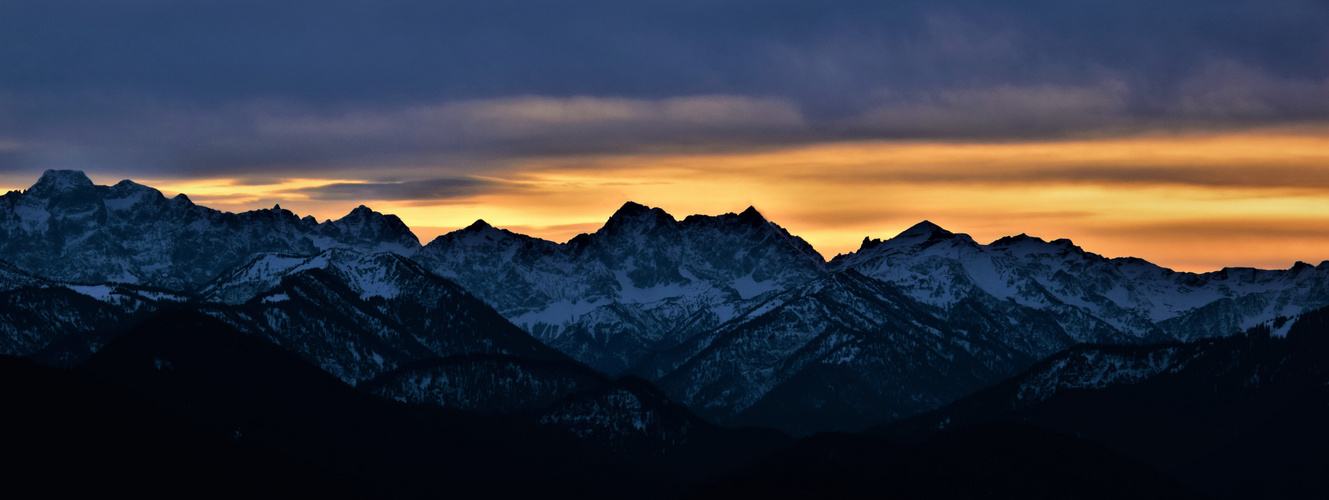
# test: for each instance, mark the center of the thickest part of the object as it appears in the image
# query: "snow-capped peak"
(59, 181)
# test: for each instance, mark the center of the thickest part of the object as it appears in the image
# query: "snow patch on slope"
(99, 292)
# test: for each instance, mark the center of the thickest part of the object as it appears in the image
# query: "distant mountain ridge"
(1085, 290)
(66, 228)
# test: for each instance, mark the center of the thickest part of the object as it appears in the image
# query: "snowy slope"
(843, 352)
(62, 324)
(357, 315)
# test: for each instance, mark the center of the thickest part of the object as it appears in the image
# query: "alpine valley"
(655, 357)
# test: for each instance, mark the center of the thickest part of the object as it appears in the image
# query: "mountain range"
(651, 338)
(732, 315)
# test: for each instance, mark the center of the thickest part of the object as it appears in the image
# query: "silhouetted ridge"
(637, 215)
(363, 214)
(1009, 240)
(477, 226)
(926, 228)
(129, 184)
(751, 215)
(481, 230)
(1064, 242)
(367, 225)
(630, 209)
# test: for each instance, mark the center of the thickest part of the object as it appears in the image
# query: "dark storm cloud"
(241, 87)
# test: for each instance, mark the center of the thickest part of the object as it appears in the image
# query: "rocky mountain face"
(66, 228)
(643, 282)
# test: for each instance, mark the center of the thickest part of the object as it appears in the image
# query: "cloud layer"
(238, 87)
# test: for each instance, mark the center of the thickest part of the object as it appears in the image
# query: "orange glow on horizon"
(1194, 202)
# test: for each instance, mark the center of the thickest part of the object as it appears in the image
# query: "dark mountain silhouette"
(247, 396)
(1238, 416)
(271, 402)
(73, 435)
(999, 461)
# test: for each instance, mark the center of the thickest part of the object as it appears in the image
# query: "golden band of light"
(1190, 202)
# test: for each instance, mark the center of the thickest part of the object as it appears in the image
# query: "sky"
(1194, 134)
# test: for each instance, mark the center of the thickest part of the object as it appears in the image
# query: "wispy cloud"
(539, 125)
(1001, 112)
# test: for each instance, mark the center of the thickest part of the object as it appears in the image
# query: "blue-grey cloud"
(247, 87)
(431, 189)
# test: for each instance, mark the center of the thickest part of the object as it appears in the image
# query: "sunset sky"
(1194, 134)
